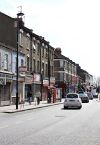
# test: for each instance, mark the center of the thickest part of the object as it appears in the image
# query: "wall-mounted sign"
(36, 77)
(22, 69)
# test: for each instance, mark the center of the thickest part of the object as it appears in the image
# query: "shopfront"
(28, 85)
(36, 85)
(33, 84)
(5, 88)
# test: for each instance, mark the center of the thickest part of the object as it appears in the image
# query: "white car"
(72, 100)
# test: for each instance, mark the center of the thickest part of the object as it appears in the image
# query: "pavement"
(27, 106)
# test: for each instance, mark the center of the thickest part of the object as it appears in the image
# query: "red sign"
(36, 77)
(22, 69)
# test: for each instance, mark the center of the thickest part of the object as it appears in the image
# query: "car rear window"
(80, 92)
(72, 96)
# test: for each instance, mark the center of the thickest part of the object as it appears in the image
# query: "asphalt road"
(52, 126)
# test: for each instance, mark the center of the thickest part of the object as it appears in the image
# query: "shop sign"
(22, 69)
(36, 77)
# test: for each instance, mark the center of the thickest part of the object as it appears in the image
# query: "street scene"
(49, 72)
(31, 70)
(52, 125)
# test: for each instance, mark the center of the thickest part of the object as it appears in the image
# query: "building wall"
(5, 59)
(5, 76)
(7, 28)
(20, 57)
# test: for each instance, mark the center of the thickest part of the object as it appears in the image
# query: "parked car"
(72, 100)
(94, 93)
(90, 95)
(84, 97)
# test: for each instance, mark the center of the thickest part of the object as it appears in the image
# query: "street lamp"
(49, 75)
(41, 69)
(19, 15)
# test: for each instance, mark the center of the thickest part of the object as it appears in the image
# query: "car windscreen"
(72, 96)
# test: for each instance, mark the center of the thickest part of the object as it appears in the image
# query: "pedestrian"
(98, 91)
(21, 101)
(29, 96)
(38, 98)
(35, 100)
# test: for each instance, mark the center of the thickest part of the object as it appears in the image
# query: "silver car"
(84, 97)
(72, 100)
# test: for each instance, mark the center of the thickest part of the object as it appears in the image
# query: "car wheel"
(80, 107)
(65, 107)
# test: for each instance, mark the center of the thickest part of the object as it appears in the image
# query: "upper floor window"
(0, 60)
(61, 63)
(6, 62)
(43, 68)
(46, 53)
(34, 65)
(42, 51)
(34, 46)
(28, 43)
(38, 49)
(38, 66)
(28, 63)
(21, 38)
(46, 70)
(61, 76)
(22, 62)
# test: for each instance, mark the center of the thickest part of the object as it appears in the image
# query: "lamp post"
(20, 14)
(49, 75)
(41, 69)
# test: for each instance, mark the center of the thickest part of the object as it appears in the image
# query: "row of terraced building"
(41, 67)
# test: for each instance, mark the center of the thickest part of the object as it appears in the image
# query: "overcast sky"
(73, 25)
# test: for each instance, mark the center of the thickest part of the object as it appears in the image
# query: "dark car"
(84, 97)
(90, 95)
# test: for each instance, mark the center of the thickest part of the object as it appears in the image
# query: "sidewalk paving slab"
(12, 108)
